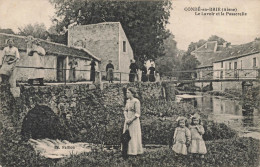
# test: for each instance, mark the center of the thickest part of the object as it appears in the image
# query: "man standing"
(36, 58)
(109, 70)
(133, 71)
(9, 60)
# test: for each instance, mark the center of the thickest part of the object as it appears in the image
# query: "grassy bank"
(224, 153)
(158, 124)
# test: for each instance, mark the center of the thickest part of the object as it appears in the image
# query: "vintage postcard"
(129, 83)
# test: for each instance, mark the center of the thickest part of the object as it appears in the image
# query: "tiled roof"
(210, 46)
(50, 47)
(207, 59)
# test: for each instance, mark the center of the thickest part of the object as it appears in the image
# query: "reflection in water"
(238, 116)
(248, 113)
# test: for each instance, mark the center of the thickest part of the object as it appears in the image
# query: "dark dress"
(92, 71)
(133, 71)
(109, 70)
(151, 74)
(144, 74)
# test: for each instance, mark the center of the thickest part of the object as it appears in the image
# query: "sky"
(185, 25)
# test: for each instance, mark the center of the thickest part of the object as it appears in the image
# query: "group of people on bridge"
(146, 75)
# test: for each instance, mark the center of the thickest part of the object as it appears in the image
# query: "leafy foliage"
(104, 126)
(219, 40)
(36, 30)
(143, 21)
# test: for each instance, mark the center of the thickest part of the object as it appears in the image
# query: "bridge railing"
(200, 75)
(63, 75)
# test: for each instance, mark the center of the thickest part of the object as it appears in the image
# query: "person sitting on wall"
(10, 58)
(72, 73)
(133, 71)
(36, 58)
(109, 70)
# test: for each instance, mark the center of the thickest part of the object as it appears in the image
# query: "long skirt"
(135, 144)
(92, 75)
(151, 78)
(72, 75)
(132, 76)
(197, 146)
(110, 75)
(36, 61)
(7, 69)
(180, 148)
(144, 78)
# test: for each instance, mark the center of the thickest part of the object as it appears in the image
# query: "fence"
(201, 75)
(62, 75)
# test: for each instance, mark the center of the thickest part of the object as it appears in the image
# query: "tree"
(36, 30)
(143, 21)
(218, 39)
(194, 45)
(165, 65)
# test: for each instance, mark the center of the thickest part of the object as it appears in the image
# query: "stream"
(229, 111)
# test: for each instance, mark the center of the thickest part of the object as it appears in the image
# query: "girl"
(197, 145)
(181, 137)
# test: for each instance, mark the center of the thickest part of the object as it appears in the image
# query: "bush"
(105, 124)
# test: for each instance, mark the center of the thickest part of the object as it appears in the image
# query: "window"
(235, 65)
(222, 64)
(230, 65)
(124, 46)
(254, 62)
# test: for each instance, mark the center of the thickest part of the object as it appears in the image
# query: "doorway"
(61, 69)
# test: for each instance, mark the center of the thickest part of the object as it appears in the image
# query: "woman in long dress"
(109, 70)
(132, 123)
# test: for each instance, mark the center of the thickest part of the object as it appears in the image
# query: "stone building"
(244, 64)
(57, 59)
(107, 41)
(226, 60)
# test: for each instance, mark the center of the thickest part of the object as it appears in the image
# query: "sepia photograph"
(129, 83)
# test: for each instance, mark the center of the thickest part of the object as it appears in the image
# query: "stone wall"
(105, 40)
(66, 99)
(99, 39)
